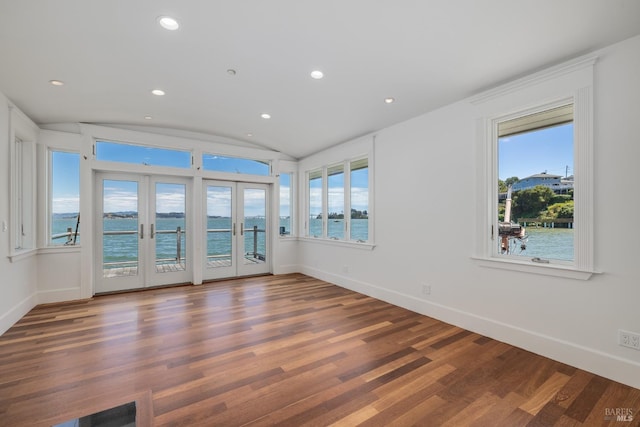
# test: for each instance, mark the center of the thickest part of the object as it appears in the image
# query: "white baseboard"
(607, 365)
(59, 295)
(8, 319)
(286, 269)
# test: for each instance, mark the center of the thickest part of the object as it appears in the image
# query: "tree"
(531, 202)
(510, 181)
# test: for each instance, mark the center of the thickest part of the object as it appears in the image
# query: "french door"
(236, 220)
(142, 231)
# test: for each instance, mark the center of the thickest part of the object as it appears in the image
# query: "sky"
(121, 195)
(359, 193)
(530, 153)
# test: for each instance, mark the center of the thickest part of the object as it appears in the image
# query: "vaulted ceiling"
(424, 54)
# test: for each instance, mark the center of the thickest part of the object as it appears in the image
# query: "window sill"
(24, 254)
(343, 243)
(59, 249)
(555, 270)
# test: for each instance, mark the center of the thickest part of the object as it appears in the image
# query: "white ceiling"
(424, 53)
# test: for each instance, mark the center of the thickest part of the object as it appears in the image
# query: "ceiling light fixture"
(265, 116)
(231, 72)
(157, 92)
(389, 100)
(56, 82)
(249, 135)
(168, 23)
(317, 74)
(148, 117)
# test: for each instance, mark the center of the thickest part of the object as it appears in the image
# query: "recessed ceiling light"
(249, 135)
(148, 117)
(389, 100)
(265, 116)
(168, 23)
(56, 82)
(317, 74)
(157, 92)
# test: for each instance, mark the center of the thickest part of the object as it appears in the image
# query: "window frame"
(571, 82)
(23, 137)
(345, 168)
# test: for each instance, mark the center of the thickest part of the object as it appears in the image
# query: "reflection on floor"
(120, 416)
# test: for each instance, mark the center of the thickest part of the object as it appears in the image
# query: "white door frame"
(239, 264)
(144, 273)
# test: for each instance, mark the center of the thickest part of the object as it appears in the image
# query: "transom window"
(214, 162)
(142, 155)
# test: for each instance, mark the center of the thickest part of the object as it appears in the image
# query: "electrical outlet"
(426, 289)
(629, 339)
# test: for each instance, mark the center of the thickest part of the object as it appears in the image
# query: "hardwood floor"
(283, 350)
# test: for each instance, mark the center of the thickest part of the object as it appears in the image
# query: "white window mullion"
(347, 200)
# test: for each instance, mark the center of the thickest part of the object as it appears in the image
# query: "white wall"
(425, 177)
(17, 278)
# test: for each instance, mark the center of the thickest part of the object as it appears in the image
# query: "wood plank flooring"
(283, 350)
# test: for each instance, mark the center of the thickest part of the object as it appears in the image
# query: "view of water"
(551, 243)
(124, 247)
(335, 228)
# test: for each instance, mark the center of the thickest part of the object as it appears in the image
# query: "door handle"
(242, 228)
(234, 228)
(142, 231)
(152, 232)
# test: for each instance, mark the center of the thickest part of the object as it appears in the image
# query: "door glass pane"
(120, 228)
(255, 215)
(335, 208)
(219, 226)
(170, 227)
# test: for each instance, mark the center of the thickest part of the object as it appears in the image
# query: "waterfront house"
(411, 93)
(555, 182)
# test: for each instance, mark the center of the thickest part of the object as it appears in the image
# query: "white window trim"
(360, 148)
(568, 82)
(346, 240)
(23, 129)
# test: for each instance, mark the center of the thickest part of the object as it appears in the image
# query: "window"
(344, 189)
(22, 149)
(315, 220)
(211, 162)
(359, 197)
(286, 202)
(64, 209)
(335, 202)
(142, 155)
(535, 190)
(535, 170)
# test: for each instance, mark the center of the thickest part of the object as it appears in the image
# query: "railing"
(70, 236)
